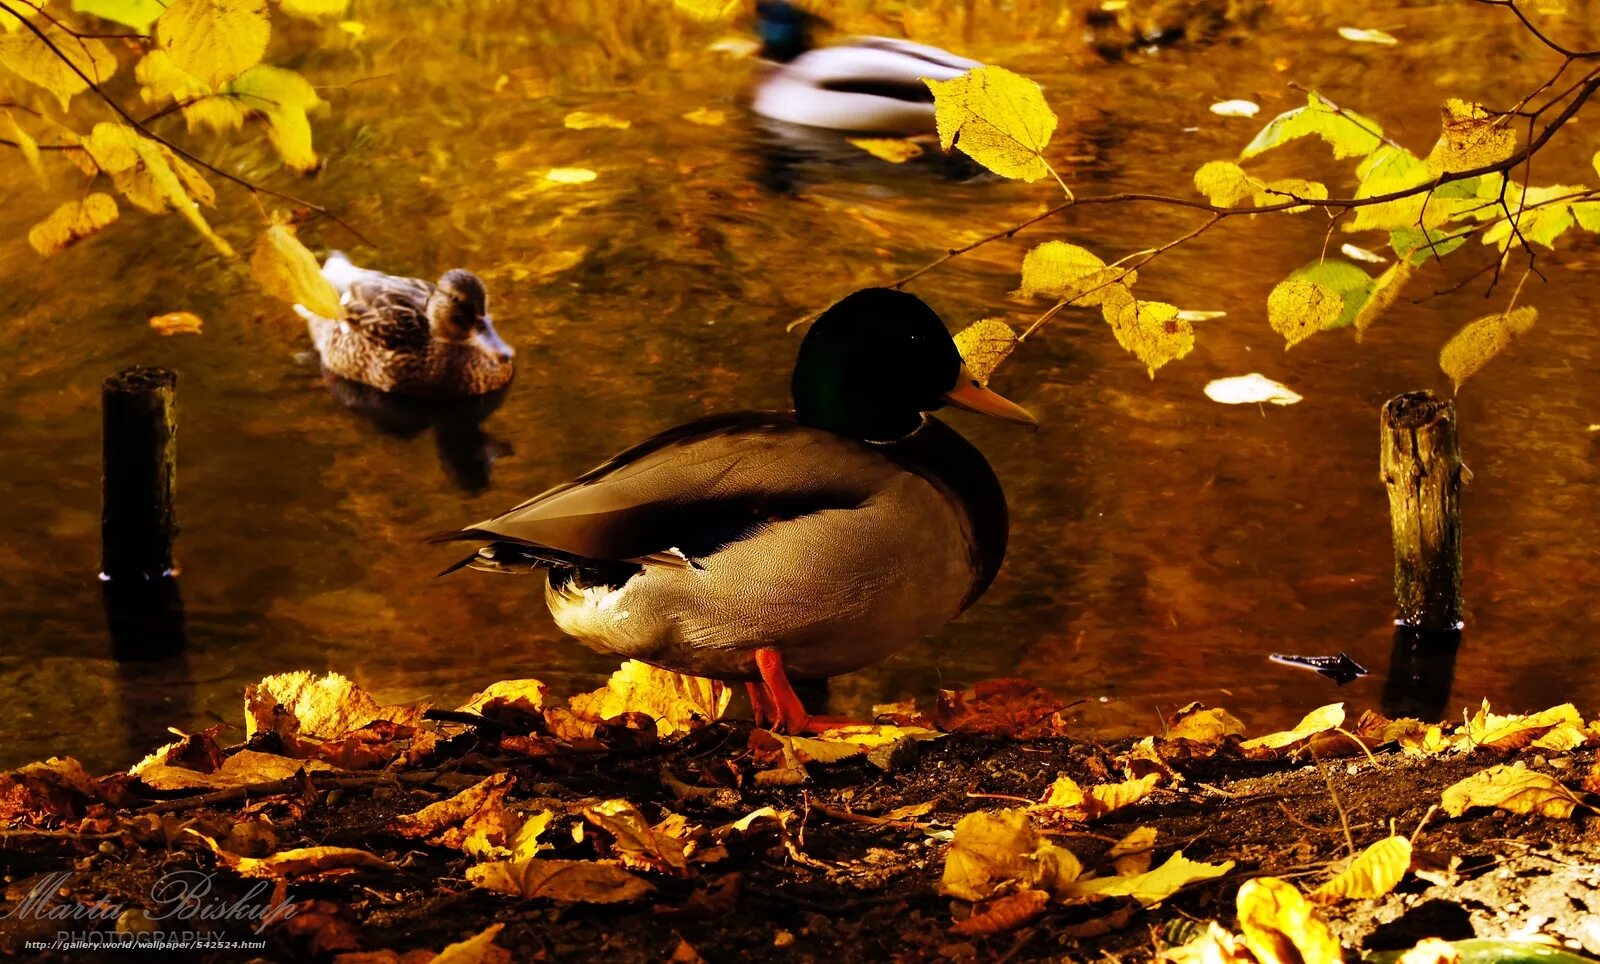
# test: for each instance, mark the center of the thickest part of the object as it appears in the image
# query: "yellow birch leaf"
(161, 80)
(1471, 139)
(1224, 183)
(1153, 886)
(71, 223)
(26, 145)
(29, 57)
(1512, 788)
(314, 9)
(677, 703)
(895, 150)
(576, 881)
(582, 120)
(214, 41)
(706, 117)
(1298, 309)
(1067, 272)
(288, 272)
(1476, 344)
(283, 97)
(138, 14)
(983, 345)
(152, 177)
(1280, 926)
(570, 175)
(1319, 720)
(1290, 189)
(177, 323)
(1384, 292)
(1373, 873)
(998, 118)
(1151, 330)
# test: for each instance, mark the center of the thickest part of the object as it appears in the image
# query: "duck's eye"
(976, 383)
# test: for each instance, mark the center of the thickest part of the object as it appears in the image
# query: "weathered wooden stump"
(1421, 467)
(139, 521)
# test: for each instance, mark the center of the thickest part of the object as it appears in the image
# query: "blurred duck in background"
(408, 336)
(866, 85)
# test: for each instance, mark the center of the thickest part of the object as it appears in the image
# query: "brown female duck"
(409, 336)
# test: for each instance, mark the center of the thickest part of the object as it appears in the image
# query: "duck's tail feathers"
(340, 272)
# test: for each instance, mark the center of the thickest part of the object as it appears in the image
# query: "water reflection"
(466, 452)
(791, 157)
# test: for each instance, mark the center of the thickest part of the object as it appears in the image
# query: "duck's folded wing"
(388, 310)
(695, 489)
(882, 67)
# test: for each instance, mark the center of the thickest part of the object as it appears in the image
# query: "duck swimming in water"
(409, 336)
(753, 545)
(868, 85)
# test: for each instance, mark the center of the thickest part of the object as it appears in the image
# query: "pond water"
(1162, 545)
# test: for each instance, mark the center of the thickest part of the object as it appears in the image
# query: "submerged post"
(138, 520)
(1421, 468)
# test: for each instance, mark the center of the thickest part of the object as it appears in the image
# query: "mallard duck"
(868, 85)
(753, 545)
(409, 336)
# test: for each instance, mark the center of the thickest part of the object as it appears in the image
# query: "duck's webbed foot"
(776, 704)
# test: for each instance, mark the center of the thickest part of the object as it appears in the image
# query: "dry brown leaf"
(57, 788)
(1513, 788)
(1591, 780)
(245, 768)
(676, 702)
(72, 222)
(177, 323)
(298, 862)
(1373, 873)
(476, 820)
(191, 751)
(1066, 801)
(639, 845)
(1005, 914)
(577, 881)
(1279, 925)
(1015, 708)
(510, 701)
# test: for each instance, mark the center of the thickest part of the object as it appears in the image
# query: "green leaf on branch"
(1417, 247)
(1475, 345)
(1353, 285)
(998, 118)
(1067, 272)
(1348, 133)
(215, 41)
(138, 14)
(1298, 309)
(1151, 330)
(60, 71)
(1471, 139)
(1388, 171)
(1383, 294)
(1537, 215)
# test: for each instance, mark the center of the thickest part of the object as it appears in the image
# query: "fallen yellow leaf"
(1513, 788)
(177, 323)
(298, 862)
(244, 769)
(1203, 725)
(1153, 886)
(577, 881)
(475, 820)
(1281, 927)
(1004, 914)
(993, 851)
(677, 703)
(1319, 720)
(1131, 855)
(639, 845)
(1373, 873)
(322, 707)
(895, 150)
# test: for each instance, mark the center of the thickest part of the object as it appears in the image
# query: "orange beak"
(973, 397)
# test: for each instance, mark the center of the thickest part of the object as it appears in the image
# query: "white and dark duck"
(409, 336)
(757, 545)
(866, 85)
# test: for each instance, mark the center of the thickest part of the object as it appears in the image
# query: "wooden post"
(1421, 466)
(138, 520)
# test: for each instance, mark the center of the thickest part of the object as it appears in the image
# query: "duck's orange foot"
(776, 704)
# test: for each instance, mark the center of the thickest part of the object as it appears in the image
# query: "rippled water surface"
(1162, 545)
